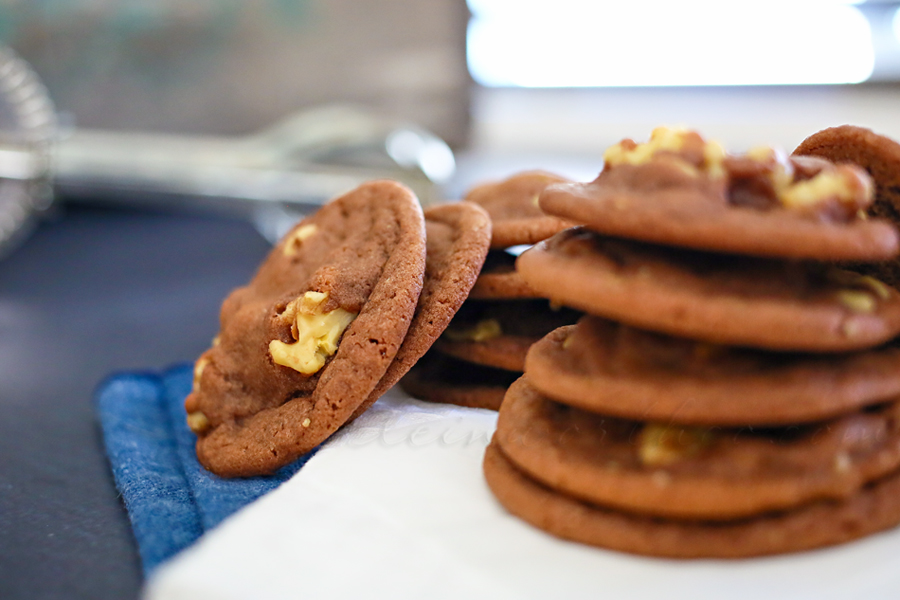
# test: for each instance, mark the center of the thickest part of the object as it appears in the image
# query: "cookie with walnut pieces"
(674, 471)
(682, 190)
(303, 345)
(879, 155)
(821, 523)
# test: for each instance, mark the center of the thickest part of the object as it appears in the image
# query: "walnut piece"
(316, 333)
(662, 445)
(295, 239)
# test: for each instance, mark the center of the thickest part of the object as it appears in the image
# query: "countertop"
(92, 292)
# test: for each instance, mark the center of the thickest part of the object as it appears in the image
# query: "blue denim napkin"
(171, 499)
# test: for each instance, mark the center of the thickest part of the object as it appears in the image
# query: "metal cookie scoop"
(272, 177)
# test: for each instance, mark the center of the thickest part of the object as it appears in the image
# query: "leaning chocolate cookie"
(458, 235)
(682, 190)
(304, 344)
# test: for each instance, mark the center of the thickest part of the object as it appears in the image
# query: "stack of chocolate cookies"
(483, 350)
(731, 391)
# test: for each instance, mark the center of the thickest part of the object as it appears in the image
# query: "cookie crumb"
(197, 422)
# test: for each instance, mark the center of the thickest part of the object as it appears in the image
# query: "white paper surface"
(395, 506)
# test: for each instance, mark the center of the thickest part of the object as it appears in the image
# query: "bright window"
(579, 43)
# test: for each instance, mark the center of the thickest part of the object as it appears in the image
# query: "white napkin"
(396, 506)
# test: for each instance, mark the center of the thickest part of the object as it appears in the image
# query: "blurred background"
(511, 78)
(237, 66)
(567, 77)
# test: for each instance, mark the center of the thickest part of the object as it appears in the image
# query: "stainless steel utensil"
(27, 128)
(272, 177)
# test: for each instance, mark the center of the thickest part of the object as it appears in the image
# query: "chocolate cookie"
(499, 280)
(305, 343)
(719, 298)
(877, 154)
(820, 523)
(502, 352)
(447, 380)
(694, 473)
(680, 190)
(513, 206)
(457, 238)
(617, 370)
(499, 333)
(880, 157)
